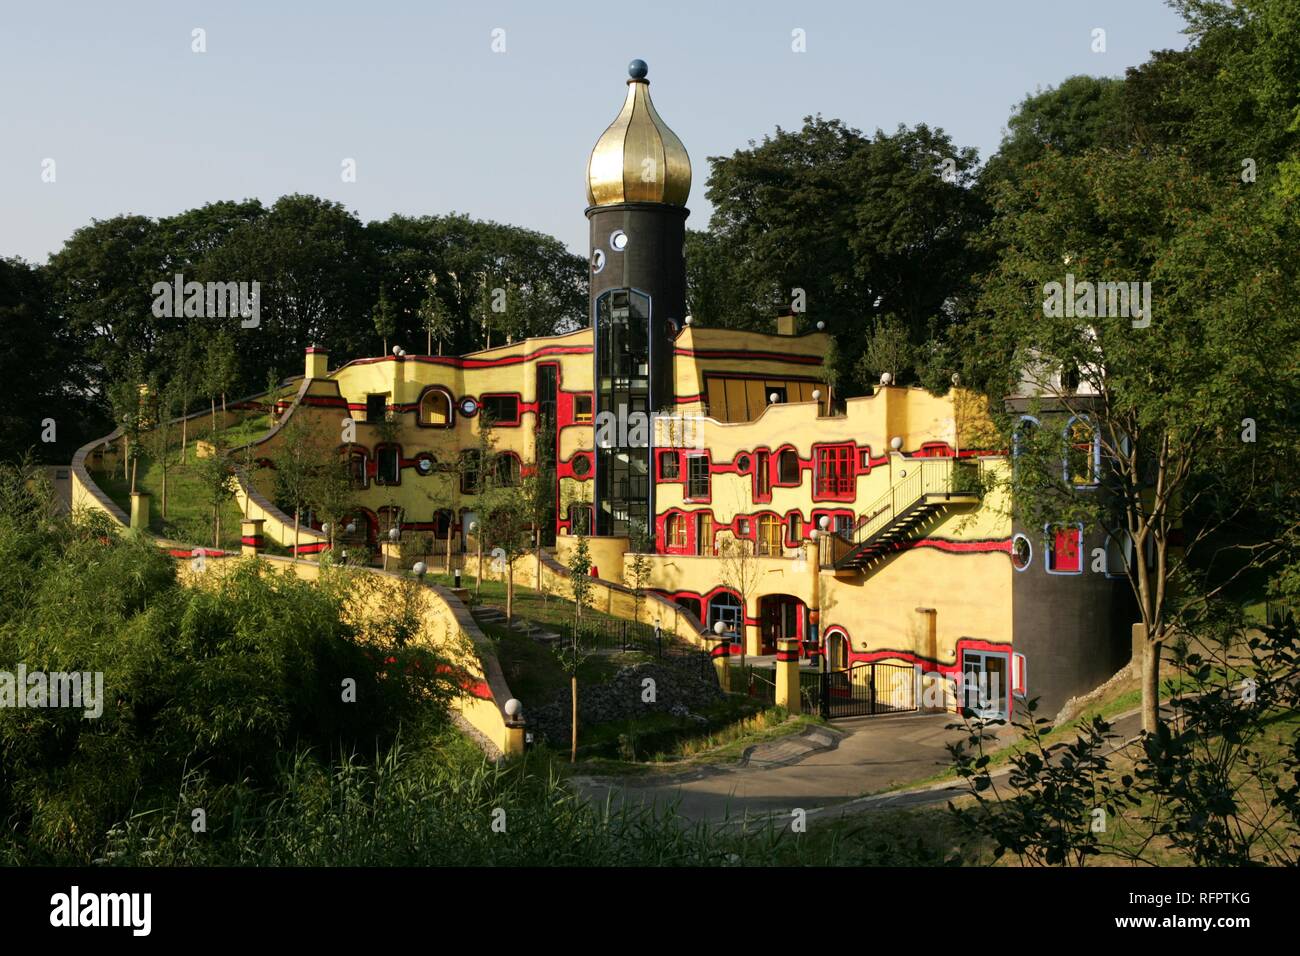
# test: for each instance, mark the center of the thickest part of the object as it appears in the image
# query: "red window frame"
(514, 396)
(670, 458)
(834, 476)
(675, 536)
(763, 475)
(1065, 549)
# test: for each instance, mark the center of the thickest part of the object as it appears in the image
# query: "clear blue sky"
(437, 122)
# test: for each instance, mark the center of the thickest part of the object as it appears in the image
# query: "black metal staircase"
(929, 488)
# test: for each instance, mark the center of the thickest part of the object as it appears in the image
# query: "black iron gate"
(867, 689)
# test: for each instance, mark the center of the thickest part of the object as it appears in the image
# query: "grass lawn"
(189, 515)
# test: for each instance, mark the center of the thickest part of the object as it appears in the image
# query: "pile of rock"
(678, 691)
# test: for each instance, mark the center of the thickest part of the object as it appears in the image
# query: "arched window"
(769, 535)
(388, 464)
(725, 607)
(390, 516)
(357, 460)
(507, 470)
(435, 408)
(1082, 453)
(787, 466)
(675, 532)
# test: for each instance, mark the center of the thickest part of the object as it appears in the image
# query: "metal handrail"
(924, 477)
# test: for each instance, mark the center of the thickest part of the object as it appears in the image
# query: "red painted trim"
(748, 356)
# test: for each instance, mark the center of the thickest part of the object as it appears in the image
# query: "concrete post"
(141, 508)
(515, 738)
(722, 664)
(251, 540)
(787, 674)
(318, 363)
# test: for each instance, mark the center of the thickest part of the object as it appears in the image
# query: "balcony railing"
(926, 479)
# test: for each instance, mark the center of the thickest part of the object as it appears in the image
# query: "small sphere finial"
(637, 69)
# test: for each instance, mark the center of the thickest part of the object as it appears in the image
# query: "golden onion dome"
(638, 159)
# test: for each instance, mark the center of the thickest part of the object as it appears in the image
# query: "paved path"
(822, 767)
(824, 771)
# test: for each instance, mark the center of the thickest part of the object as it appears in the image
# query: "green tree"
(1189, 404)
(216, 476)
(296, 459)
(384, 318)
(220, 370)
(580, 577)
(888, 350)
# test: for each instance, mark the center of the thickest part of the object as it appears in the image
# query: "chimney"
(318, 362)
(785, 323)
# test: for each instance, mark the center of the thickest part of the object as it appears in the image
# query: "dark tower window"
(623, 393)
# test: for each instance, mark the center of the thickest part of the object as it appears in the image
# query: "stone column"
(141, 502)
(722, 664)
(787, 674)
(251, 540)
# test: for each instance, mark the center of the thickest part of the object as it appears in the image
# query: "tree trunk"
(296, 514)
(126, 457)
(214, 414)
(134, 469)
(539, 560)
(428, 342)
(164, 496)
(573, 742)
(185, 434)
(1151, 684)
(216, 527)
(450, 525)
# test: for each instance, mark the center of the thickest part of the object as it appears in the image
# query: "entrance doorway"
(780, 618)
(986, 678)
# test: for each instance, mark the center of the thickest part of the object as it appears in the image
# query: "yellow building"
(864, 530)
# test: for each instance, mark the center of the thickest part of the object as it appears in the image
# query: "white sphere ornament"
(325, 528)
(689, 319)
(774, 398)
(397, 350)
(824, 522)
(718, 628)
(821, 326)
(896, 443)
(513, 707)
(817, 394)
(885, 378)
(418, 568)
(351, 528)
(394, 534)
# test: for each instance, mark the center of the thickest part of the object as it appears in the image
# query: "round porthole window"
(618, 240)
(1022, 552)
(598, 260)
(582, 466)
(742, 463)
(468, 407)
(424, 462)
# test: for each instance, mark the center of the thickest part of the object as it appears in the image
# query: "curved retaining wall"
(486, 691)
